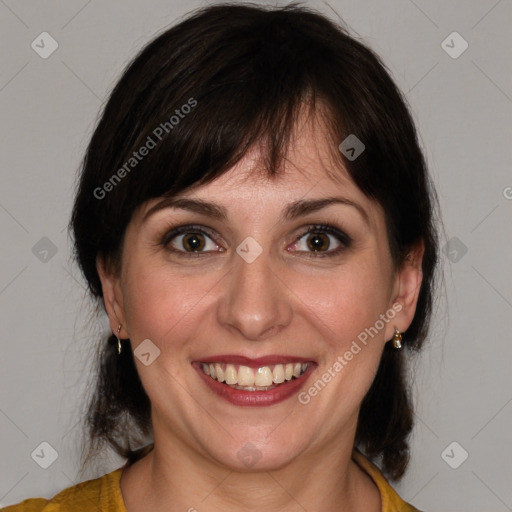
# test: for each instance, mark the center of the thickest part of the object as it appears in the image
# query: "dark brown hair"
(247, 70)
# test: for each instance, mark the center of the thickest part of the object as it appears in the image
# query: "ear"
(112, 296)
(407, 288)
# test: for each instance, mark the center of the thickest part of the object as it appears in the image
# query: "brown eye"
(189, 239)
(318, 242)
(193, 242)
(322, 240)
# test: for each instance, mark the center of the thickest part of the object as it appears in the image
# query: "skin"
(288, 301)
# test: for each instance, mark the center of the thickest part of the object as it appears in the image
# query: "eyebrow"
(293, 211)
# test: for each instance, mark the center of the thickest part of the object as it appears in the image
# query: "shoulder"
(391, 501)
(101, 493)
(30, 505)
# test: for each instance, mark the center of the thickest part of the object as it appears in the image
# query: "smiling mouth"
(254, 379)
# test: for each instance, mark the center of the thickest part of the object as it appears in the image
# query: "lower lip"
(255, 398)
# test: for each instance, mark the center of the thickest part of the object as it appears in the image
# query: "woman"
(255, 214)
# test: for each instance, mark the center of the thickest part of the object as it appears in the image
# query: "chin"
(246, 454)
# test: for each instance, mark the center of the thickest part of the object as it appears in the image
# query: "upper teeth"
(247, 376)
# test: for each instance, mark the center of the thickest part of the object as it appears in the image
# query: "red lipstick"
(240, 397)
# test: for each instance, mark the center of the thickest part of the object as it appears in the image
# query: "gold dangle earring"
(118, 340)
(397, 339)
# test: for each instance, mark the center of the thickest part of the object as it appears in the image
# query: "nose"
(256, 302)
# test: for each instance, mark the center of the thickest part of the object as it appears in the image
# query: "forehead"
(312, 167)
(311, 155)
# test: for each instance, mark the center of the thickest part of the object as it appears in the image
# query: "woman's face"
(258, 290)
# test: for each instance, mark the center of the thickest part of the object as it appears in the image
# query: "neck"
(175, 477)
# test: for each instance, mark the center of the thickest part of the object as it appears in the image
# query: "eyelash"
(344, 239)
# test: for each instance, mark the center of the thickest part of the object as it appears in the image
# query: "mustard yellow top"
(104, 494)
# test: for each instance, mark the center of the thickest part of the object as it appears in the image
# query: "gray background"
(462, 107)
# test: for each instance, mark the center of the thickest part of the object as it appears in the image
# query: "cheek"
(346, 310)
(165, 307)
(348, 300)
(160, 302)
